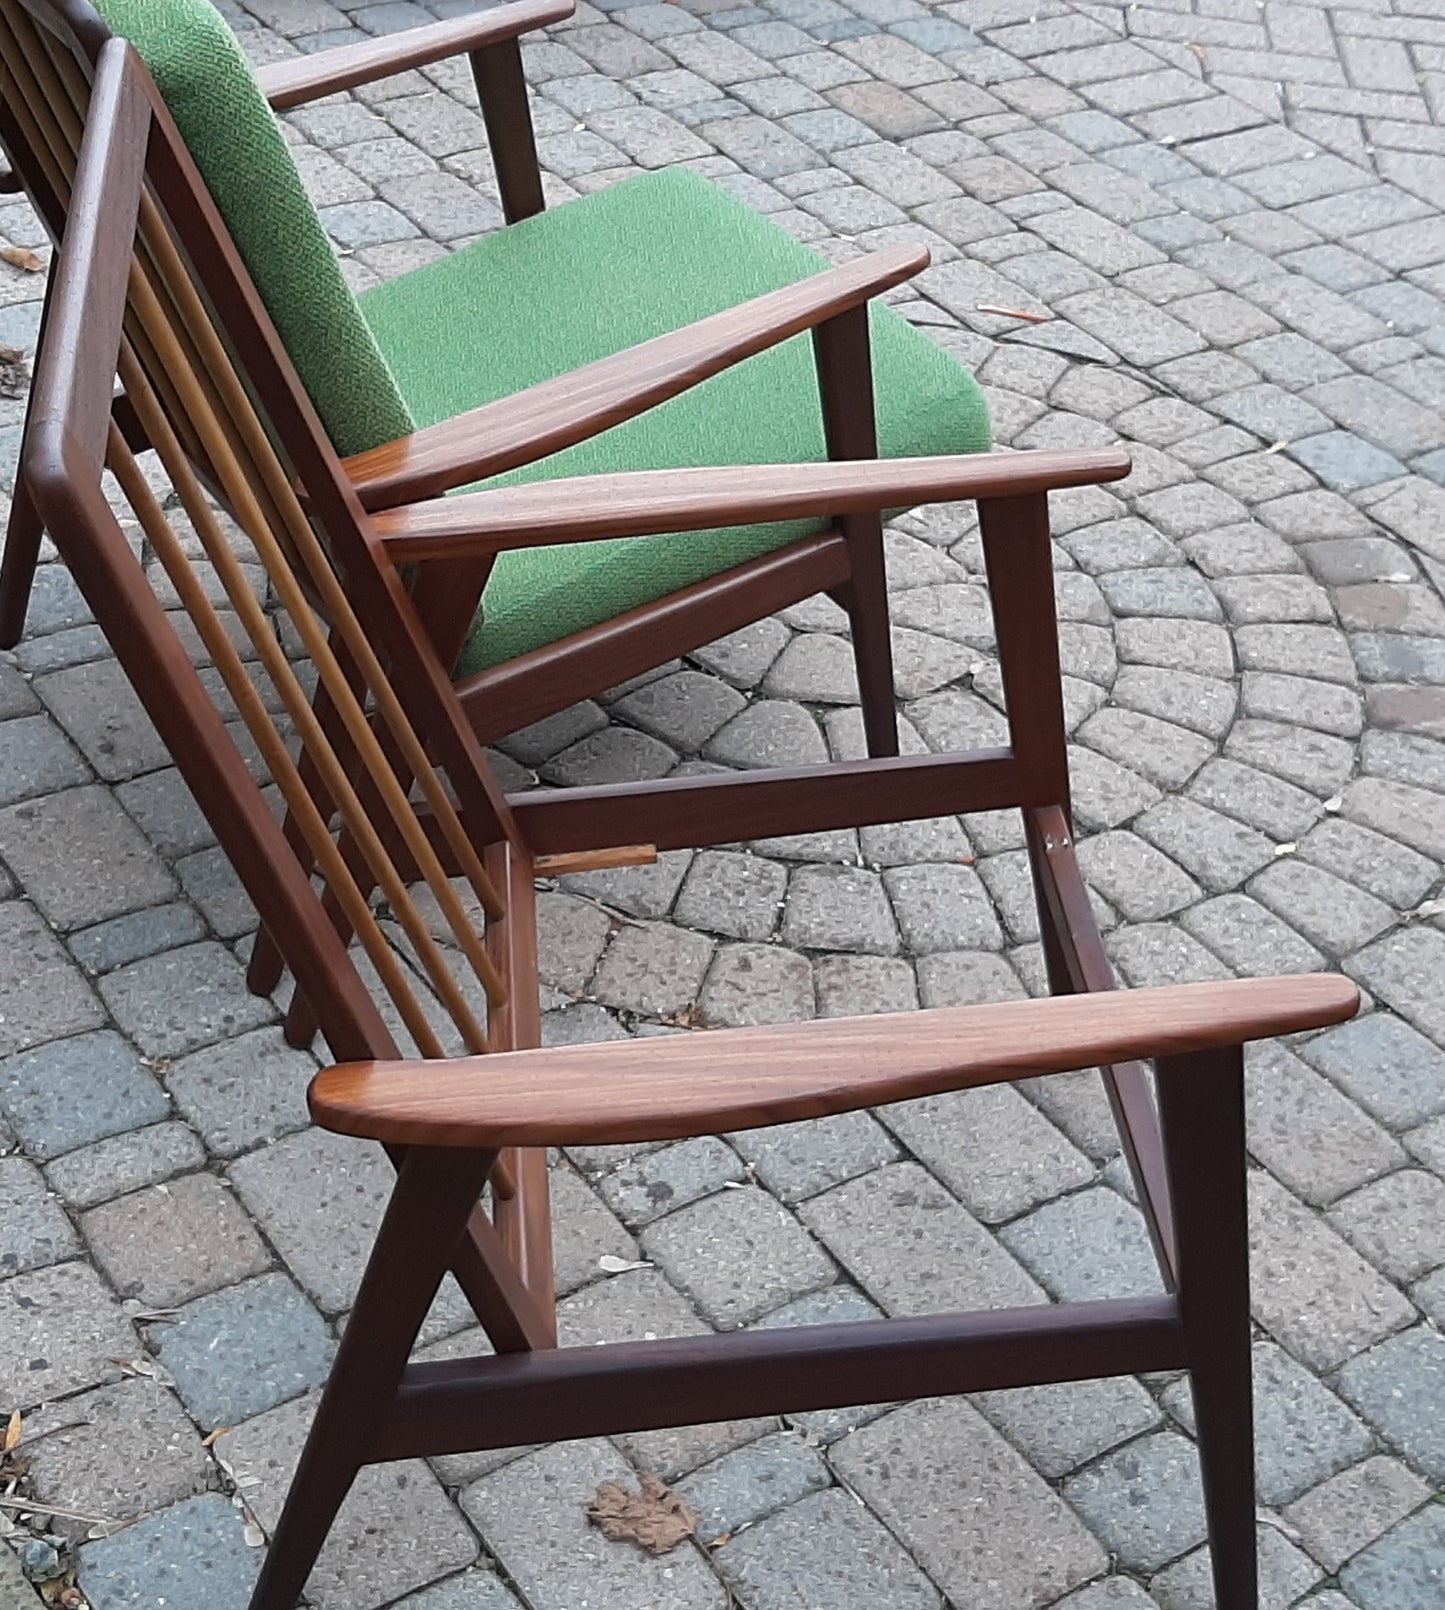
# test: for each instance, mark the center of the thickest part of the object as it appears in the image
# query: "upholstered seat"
(536, 300)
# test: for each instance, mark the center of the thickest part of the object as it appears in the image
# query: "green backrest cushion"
(237, 144)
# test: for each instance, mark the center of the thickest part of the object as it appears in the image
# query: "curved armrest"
(308, 78)
(554, 414)
(702, 1084)
(588, 508)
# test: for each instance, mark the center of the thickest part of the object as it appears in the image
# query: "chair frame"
(455, 1127)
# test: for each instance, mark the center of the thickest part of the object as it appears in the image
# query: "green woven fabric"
(238, 146)
(594, 276)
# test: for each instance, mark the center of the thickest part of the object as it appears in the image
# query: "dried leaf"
(610, 1264)
(14, 1430)
(255, 1537)
(1014, 313)
(656, 1519)
(23, 257)
(14, 373)
(211, 1440)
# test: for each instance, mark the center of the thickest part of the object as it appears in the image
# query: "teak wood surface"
(399, 894)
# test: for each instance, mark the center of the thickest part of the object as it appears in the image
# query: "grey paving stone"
(757, 1480)
(1106, 794)
(1140, 881)
(1143, 1500)
(652, 968)
(238, 1352)
(1397, 1222)
(1399, 968)
(1306, 1132)
(1060, 1426)
(858, 986)
(243, 1092)
(669, 1179)
(43, 995)
(912, 1247)
(749, 985)
(994, 1150)
(1310, 1290)
(396, 1530)
(966, 978)
(1303, 1433)
(1382, 1063)
(684, 710)
(1367, 858)
(75, 1091)
(641, 891)
(1155, 953)
(739, 896)
(125, 939)
(319, 1198)
(1397, 1387)
(36, 758)
(80, 857)
(772, 732)
(1247, 937)
(613, 755)
(1404, 1570)
(61, 1331)
(1285, 1572)
(1089, 1245)
(821, 1554)
(104, 719)
(121, 1451)
(795, 1161)
(193, 1553)
(183, 999)
(942, 907)
(1013, 1543)
(1342, 1515)
(124, 1163)
(839, 908)
(472, 1590)
(563, 1562)
(36, 1231)
(737, 1254)
(170, 1243)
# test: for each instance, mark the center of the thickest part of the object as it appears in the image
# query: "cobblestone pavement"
(1233, 212)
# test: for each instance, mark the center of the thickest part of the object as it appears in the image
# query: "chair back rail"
(125, 304)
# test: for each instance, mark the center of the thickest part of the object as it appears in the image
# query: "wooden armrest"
(663, 1089)
(554, 414)
(308, 78)
(588, 508)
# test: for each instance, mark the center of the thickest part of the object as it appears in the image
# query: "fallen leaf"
(610, 1264)
(14, 373)
(656, 1519)
(211, 1440)
(23, 257)
(14, 1430)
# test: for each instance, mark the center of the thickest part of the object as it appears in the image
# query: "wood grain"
(554, 414)
(589, 508)
(706, 1083)
(308, 78)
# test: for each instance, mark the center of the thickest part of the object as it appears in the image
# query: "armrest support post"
(502, 90)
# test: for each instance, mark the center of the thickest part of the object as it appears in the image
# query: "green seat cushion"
(592, 277)
(237, 143)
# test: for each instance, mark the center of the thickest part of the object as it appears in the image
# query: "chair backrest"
(237, 144)
(387, 766)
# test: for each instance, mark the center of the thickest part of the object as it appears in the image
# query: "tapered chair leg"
(435, 1193)
(865, 597)
(1201, 1100)
(17, 568)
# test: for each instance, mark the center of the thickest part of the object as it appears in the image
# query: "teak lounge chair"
(400, 795)
(518, 357)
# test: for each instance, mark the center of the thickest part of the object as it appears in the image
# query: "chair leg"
(435, 1193)
(1201, 1101)
(865, 597)
(17, 568)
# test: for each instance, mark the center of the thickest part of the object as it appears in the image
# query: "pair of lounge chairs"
(397, 833)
